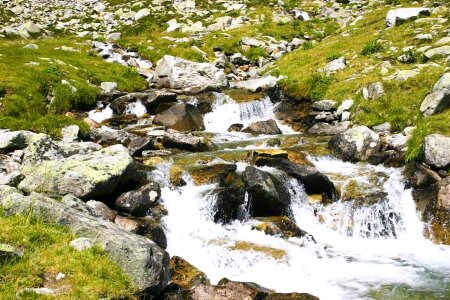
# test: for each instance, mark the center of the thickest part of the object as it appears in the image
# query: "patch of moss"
(275, 253)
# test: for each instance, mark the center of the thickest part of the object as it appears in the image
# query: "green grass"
(89, 274)
(402, 101)
(34, 97)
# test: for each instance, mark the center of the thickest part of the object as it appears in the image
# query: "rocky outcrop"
(436, 149)
(181, 117)
(181, 74)
(267, 194)
(263, 127)
(356, 144)
(398, 16)
(140, 258)
(90, 175)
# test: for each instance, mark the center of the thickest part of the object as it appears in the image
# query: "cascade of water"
(226, 112)
(135, 108)
(358, 250)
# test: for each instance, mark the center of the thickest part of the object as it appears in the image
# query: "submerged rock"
(356, 144)
(181, 117)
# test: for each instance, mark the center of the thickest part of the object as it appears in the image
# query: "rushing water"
(362, 251)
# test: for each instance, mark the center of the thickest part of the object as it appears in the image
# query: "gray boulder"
(323, 128)
(256, 85)
(263, 127)
(181, 117)
(189, 76)
(439, 99)
(400, 15)
(178, 140)
(373, 91)
(437, 150)
(334, 66)
(89, 175)
(439, 52)
(81, 244)
(137, 203)
(12, 140)
(101, 210)
(324, 105)
(356, 144)
(140, 258)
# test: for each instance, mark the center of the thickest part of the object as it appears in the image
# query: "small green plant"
(318, 86)
(307, 45)
(392, 2)
(332, 56)
(255, 53)
(372, 47)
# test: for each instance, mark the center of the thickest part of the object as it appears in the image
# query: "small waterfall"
(355, 254)
(227, 112)
(135, 108)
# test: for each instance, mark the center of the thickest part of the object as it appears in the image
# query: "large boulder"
(439, 99)
(189, 76)
(90, 175)
(437, 150)
(437, 52)
(141, 259)
(267, 194)
(181, 117)
(356, 144)
(313, 180)
(400, 15)
(263, 127)
(137, 203)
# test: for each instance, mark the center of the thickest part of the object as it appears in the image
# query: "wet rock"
(184, 275)
(91, 175)
(150, 99)
(313, 181)
(362, 193)
(398, 16)
(436, 149)
(141, 259)
(230, 199)
(121, 121)
(211, 173)
(138, 202)
(9, 252)
(181, 117)
(189, 76)
(279, 226)
(419, 176)
(263, 155)
(267, 194)
(433, 202)
(174, 139)
(235, 128)
(138, 145)
(156, 233)
(383, 129)
(268, 127)
(323, 128)
(355, 144)
(227, 289)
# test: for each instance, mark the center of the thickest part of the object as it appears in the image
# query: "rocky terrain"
(96, 97)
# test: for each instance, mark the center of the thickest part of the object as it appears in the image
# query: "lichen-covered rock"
(184, 275)
(189, 76)
(13, 140)
(439, 99)
(437, 150)
(141, 259)
(86, 176)
(181, 117)
(356, 144)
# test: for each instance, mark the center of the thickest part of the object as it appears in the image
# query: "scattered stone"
(268, 127)
(398, 16)
(439, 99)
(373, 91)
(137, 203)
(256, 85)
(436, 149)
(323, 128)
(324, 105)
(108, 87)
(31, 46)
(9, 252)
(439, 52)
(334, 66)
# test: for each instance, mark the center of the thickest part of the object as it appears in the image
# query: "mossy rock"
(214, 173)
(362, 193)
(176, 176)
(185, 275)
